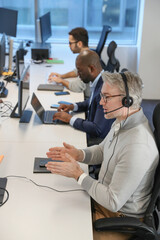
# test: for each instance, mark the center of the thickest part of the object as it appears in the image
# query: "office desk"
(38, 213)
(33, 212)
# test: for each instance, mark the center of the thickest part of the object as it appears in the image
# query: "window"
(121, 15)
(25, 28)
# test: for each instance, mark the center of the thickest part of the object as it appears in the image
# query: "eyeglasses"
(108, 98)
(70, 43)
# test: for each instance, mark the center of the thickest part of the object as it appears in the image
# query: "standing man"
(78, 42)
(129, 156)
(96, 126)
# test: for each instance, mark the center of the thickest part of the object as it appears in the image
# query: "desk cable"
(38, 185)
(6, 107)
(5, 190)
(43, 186)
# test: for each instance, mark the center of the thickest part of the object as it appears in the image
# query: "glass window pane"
(111, 13)
(94, 13)
(121, 15)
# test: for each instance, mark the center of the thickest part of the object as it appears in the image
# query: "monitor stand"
(13, 113)
(26, 116)
(3, 183)
(16, 81)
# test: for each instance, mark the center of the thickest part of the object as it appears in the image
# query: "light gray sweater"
(77, 85)
(129, 157)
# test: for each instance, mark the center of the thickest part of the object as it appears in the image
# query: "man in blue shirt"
(95, 125)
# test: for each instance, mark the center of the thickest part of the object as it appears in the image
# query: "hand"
(54, 74)
(58, 153)
(63, 116)
(65, 107)
(55, 79)
(69, 168)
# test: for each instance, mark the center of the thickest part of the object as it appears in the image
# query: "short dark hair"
(80, 34)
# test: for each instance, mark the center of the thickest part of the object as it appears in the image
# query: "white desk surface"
(32, 212)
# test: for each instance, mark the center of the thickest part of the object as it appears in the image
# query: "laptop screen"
(37, 107)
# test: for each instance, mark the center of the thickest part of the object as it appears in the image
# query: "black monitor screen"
(2, 53)
(20, 53)
(45, 26)
(23, 96)
(8, 21)
(23, 91)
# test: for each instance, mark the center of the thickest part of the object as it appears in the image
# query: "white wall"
(127, 55)
(145, 57)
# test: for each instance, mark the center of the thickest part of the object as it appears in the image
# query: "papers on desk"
(54, 61)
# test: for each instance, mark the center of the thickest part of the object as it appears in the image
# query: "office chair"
(148, 229)
(148, 106)
(105, 31)
(113, 63)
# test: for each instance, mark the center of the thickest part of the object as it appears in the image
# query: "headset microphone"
(113, 110)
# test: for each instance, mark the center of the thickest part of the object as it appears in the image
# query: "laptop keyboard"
(49, 116)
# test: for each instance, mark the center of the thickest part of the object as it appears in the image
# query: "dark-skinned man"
(96, 126)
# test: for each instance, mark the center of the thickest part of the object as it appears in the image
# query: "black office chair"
(105, 31)
(148, 106)
(113, 63)
(148, 229)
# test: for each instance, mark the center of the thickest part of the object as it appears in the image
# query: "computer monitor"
(20, 53)
(8, 21)
(45, 27)
(3, 183)
(23, 96)
(2, 53)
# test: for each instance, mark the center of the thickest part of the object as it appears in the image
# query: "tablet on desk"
(39, 164)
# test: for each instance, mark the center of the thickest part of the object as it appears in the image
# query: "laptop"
(45, 116)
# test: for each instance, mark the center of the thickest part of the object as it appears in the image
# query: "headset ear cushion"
(127, 102)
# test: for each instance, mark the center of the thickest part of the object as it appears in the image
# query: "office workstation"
(40, 205)
(37, 204)
(27, 210)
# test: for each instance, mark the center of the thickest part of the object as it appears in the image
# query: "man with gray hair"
(128, 156)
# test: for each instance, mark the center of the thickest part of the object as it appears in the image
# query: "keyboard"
(49, 116)
(50, 87)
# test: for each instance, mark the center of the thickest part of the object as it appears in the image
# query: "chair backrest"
(113, 62)
(148, 106)
(156, 123)
(106, 29)
(155, 199)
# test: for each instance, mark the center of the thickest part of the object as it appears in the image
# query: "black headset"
(127, 101)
